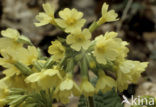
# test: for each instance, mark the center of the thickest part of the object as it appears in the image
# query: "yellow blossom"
(7, 62)
(45, 79)
(32, 54)
(15, 37)
(79, 39)
(47, 16)
(123, 50)
(3, 102)
(129, 72)
(104, 83)
(3, 92)
(11, 82)
(92, 64)
(63, 97)
(6, 42)
(71, 19)
(57, 50)
(87, 88)
(107, 16)
(23, 55)
(108, 47)
(69, 86)
(10, 33)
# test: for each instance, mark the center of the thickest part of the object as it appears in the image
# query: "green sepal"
(25, 70)
(24, 39)
(49, 63)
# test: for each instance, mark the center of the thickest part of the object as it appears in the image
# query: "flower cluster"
(26, 68)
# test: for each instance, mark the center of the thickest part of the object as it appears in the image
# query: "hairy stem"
(90, 102)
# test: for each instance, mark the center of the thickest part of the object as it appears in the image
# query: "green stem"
(49, 63)
(90, 102)
(84, 71)
(93, 26)
(38, 66)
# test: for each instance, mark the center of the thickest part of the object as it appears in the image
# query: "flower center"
(60, 51)
(70, 21)
(80, 38)
(100, 48)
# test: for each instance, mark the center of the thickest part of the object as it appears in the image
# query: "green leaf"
(17, 100)
(35, 99)
(109, 99)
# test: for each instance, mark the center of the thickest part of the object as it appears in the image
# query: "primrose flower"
(70, 20)
(47, 17)
(87, 88)
(10, 33)
(68, 86)
(104, 83)
(107, 47)
(123, 50)
(107, 16)
(129, 72)
(57, 50)
(15, 36)
(62, 97)
(4, 92)
(92, 64)
(79, 39)
(23, 55)
(2, 102)
(32, 54)
(6, 43)
(45, 79)
(7, 62)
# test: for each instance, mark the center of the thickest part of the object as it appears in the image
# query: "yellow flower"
(92, 64)
(7, 62)
(87, 88)
(129, 72)
(15, 36)
(104, 83)
(123, 50)
(23, 55)
(47, 17)
(107, 16)
(79, 39)
(4, 92)
(6, 42)
(57, 50)
(69, 86)
(70, 20)
(107, 47)
(11, 82)
(3, 102)
(32, 54)
(63, 97)
(10, 33)
(16, 81)
(45, 79)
